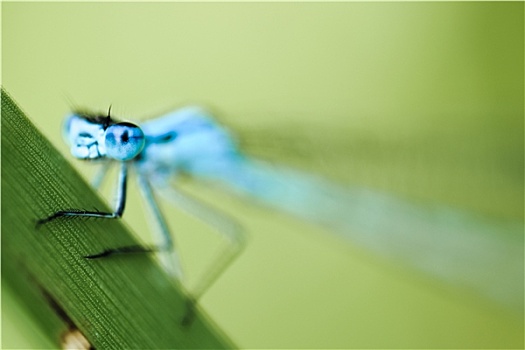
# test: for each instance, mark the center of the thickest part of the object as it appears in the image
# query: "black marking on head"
(96, 118)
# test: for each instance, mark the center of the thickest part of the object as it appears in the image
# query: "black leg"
(119, 210)
(123, 250)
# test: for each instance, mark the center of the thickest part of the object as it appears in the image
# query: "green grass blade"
(118, 302)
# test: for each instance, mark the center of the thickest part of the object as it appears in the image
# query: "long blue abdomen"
(452, 245)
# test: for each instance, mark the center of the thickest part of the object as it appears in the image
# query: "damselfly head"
(85, 135)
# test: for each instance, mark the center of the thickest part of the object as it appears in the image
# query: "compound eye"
(124, 141)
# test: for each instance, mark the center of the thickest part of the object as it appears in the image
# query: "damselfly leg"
(169, 257)
(227, 227)
(119, 210)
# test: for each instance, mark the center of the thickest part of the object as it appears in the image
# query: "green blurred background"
(422, 100)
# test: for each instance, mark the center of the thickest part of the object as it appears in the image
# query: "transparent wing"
(476, 170)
